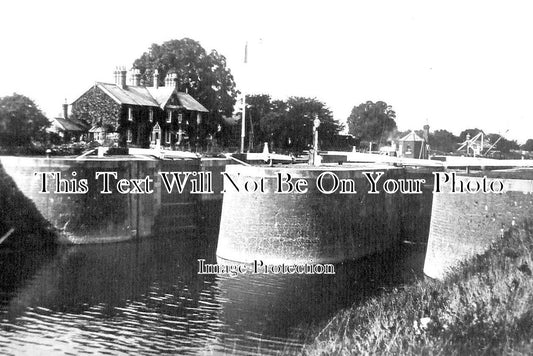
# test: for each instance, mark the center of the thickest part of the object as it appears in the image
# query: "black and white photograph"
(266, 177)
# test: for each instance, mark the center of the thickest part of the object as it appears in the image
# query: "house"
(140, 116)
(412, 146)
(67, 128)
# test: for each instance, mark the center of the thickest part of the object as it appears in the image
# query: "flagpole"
(243, 126)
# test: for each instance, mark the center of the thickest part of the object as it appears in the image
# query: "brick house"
(413, 146)
(140, 116)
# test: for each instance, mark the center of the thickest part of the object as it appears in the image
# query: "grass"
(31, 229)
(483, 307)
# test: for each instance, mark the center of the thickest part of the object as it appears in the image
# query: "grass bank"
(485, 306)
(30, 229)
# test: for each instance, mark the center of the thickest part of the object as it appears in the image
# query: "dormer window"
(169, 117)
(130, 114)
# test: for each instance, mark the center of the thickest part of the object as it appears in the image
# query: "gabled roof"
(189, 103)
(149, 96)
(411, 136)
(163, 94)
(97, 128)
(129, 95)
(70, 124)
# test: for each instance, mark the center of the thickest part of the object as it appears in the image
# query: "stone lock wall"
(465, 224)
(176, 212)
(94, 217)
(308, 227)
(416, 211)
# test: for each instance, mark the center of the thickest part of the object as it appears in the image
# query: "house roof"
(149, 96)
(189, 103)
(129, 95)
(163, 94)
(70, 125)
(411, 136)
(97, 129)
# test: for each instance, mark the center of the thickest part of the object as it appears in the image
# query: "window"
(169, 117)
(167, 137)
(151, 115)
(128, 135)
(130, 114)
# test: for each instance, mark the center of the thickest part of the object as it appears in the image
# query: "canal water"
(146, 297)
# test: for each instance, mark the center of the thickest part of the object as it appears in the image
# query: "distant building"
(412, 146)
(67, 128)
(137, 115)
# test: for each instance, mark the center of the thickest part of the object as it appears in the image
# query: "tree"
(528, 146)
(443, 140)
(21, 121)
(373, 122)
(203, 75)
(471, 132)
(273, 123)
(502, 144)
(257, 107)
(289, 124)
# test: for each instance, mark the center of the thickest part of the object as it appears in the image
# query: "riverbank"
(22, 227)
(485, 306)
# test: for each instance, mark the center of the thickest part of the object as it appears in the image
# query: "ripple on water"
(146, 297)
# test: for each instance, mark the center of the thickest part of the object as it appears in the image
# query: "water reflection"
(146, 297)
(268, 313)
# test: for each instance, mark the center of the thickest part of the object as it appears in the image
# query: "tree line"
(288, 124)
(284, 124)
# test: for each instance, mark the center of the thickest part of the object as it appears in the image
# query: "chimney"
(65, 110)
(174, 80)
(171, 80)
(123, 73)
(136, 77)
(120, 77)
(156, 79)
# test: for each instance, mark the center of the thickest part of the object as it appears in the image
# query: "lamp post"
(316, 124)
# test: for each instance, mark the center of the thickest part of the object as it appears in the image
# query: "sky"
(451, 64)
